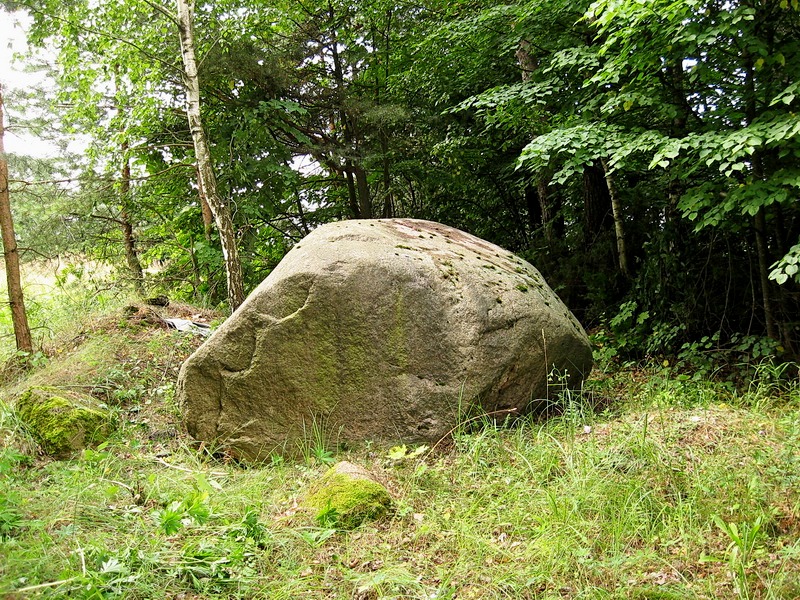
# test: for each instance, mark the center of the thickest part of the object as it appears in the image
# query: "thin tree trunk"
(760, 219)
(527, 63)
(205, 169)
(388, 198)
(131, 255)
(760, 226)
(19, 317)
(550, 205)
(352, 194)
(357, 185)
(619, 224)
(208, 216)
(364, 201)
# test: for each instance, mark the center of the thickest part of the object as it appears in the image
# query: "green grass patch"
(661, 487)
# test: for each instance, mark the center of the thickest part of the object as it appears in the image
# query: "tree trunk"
(131, 255)
(19, 317)
(527, 63)
(550, 209)
(364, 201)
(619, 224)
(352, 194)
(760, 219)
(596, 203)
(760, 225)
(205, 169)
(357, 185)
(208, 216)
(388, 196)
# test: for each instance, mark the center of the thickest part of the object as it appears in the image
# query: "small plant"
(315, 536)
(193, 508)
(11, 460)
(741, 550)
(11, 519)
(322, 455)
(251, 528)
(327, 517)
(314, 446)
(398, 454)
(34, 360)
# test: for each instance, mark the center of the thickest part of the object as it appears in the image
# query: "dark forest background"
(644, 156)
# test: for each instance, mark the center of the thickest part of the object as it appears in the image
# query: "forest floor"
(650, 484)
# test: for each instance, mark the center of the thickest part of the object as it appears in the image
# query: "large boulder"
(392, 329)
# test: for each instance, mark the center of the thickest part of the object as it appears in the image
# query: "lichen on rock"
(347, 496)
(63, 422)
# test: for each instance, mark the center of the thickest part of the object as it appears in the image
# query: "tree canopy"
(645, 156)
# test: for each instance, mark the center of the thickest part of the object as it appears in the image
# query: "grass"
(676, 489)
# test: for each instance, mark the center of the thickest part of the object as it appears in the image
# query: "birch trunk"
(619, 223)
(207, 183)
(19, 317)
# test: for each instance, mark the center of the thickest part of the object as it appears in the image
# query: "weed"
(315, 536)
(327, 517)
(178, 513)
(314, 446)
(11, 519)
(741, 550)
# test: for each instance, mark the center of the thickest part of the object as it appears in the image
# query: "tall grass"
(673, 488)
(59, 296)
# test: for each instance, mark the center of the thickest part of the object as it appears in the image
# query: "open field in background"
(649, 485)
(61, 295)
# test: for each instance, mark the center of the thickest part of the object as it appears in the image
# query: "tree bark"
(388, 196)
(619, 223)
(760, 219)
(596, 203)
(208, 216)
(364, 201)
(760, 226)
(19, 318)
(131, 254)
(205, 169)
(527, 63)
(550, 209)
(357, 185)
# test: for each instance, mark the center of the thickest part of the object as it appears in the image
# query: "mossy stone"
(63, 422)
(348, 496)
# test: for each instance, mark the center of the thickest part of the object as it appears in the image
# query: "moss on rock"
(347, 496)
(63, 422)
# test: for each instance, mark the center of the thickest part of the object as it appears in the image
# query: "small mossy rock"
(63, 422)
(347, 496)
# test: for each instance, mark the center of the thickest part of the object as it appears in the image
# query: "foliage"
(563, 131)
(787, 268)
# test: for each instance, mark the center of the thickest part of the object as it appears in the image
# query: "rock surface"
(63, 422)
(347, 496)
(390, 329)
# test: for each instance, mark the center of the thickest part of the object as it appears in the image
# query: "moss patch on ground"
(347, 497)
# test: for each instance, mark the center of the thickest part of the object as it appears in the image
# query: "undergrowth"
(647, 484)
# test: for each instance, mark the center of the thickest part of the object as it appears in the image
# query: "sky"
(13, 77)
